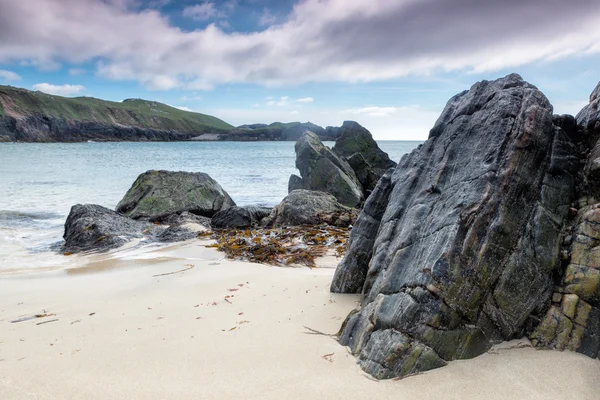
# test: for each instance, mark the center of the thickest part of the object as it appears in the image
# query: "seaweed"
(298, 245)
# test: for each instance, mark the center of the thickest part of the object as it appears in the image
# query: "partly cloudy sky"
(389, 64)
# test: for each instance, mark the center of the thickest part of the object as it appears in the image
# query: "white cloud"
(202, 12)
(333, 40)
(305, 100)
(9, 75)
(76, 71)
(183, 108)
(373, 111)
(60, 90)
(282, 102)
(266, 18)
(295, 112)
(191, 98)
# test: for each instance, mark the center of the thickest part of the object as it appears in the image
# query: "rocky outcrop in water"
(157, 194)
(349, 171)
(357, 146)
(239, 217)
(457, 247)
(91, 227)
(306, 207)
(322, 170)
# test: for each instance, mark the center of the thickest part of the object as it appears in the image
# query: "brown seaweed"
(298, 245)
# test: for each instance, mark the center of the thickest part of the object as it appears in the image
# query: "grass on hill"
(130, 112)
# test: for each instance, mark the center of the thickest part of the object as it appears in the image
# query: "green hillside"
(131, 112)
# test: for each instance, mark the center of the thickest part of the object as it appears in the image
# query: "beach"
(117, 328)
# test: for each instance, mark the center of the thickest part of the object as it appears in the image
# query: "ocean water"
(40, 182)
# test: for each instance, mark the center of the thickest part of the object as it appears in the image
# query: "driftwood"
(174, 272)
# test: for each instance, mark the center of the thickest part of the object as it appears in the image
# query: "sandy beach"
(226, 329)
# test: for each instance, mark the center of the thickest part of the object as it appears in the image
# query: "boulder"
(457, 246)
(157, 194)
(239, 217)
(182, 227)
(324, 171)
(356, 144)
(306, 207)
(91, 227)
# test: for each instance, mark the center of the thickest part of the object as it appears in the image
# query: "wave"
(9, 215)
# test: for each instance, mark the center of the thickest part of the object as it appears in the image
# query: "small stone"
(569, 305)
(556, 297)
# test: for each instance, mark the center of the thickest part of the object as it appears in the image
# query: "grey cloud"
(343, 40)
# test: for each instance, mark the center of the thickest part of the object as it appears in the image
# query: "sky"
(391, 65)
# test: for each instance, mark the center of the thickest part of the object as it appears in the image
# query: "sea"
(39, 182)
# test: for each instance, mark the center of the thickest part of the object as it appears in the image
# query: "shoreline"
(126, 333)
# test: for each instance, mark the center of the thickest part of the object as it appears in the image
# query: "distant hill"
(35, 116)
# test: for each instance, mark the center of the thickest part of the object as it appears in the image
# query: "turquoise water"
(40, 182)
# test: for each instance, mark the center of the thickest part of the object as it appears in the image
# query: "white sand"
(173, 337)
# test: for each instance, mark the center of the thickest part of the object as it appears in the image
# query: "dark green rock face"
(157, 194)
(324, 171)
(457, 246)
(357, 146)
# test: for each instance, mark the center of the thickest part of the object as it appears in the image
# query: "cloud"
(202, 12)
(9, 75)
(282, 102)
(60, 90)
(266, 18)
(76, 71)
(373, 111)
(333, 40)
(183, 108)
(305, 100)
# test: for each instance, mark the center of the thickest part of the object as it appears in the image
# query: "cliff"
(487, 232)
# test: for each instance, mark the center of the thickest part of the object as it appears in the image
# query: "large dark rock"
(157, 194)
(356, 144)
(305, 207)
(456, 248)
(239, 217)
(182, 227)
(324, 171)
(91, 227)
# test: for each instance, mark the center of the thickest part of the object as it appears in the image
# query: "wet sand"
(226, 330)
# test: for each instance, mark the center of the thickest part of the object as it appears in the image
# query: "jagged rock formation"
(324, 171)
(356, 144)
(572, 320)
(349, 171)
(157, 194)
(305, 207)
(91, 227)
(457, 247)
(239, 217)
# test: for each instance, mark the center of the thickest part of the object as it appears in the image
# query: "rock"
(92, 227)
(185, 226)
(323, 171)
(294, 183)
(5, 138)
(305, 207)
(456, 248)
(294, 132)
(369, 162)
(157, 194)
(239, 217)
(589, 116)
